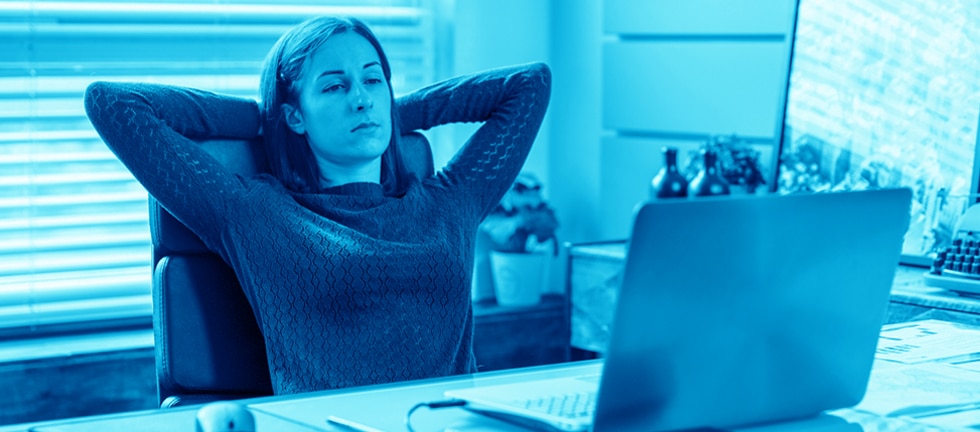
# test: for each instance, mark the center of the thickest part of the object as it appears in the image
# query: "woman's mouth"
(365, 126)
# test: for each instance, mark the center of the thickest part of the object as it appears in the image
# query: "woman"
(358, 272)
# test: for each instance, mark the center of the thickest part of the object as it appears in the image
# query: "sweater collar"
(365, 189)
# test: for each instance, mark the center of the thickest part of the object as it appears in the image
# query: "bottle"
(709, 181)
(669, 182)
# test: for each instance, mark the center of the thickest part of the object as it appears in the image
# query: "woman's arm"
(149, 127)
(510, 101)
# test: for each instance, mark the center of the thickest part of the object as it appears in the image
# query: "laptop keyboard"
(570, 405)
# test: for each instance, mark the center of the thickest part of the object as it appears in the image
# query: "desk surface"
(384, 407)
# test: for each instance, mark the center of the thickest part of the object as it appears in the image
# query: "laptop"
(733, 311)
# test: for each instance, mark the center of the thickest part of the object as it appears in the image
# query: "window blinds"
(74, 238)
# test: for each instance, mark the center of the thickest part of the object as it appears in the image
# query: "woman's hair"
(290, 157)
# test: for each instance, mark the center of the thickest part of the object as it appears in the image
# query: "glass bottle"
(669, 182)
(709, 181)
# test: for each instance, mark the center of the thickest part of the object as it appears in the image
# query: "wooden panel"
(700, 17)
(694, 87)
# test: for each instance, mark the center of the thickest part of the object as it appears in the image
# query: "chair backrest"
(208, 345)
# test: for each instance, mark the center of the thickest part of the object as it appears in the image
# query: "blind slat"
(76, 310)
(134, 197)
(93, 259)
(89, 178)
(110, 236)
(93, 12)
(79, 285)
(73, 221)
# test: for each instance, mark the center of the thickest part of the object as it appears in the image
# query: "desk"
(384, 407)
(595, 273)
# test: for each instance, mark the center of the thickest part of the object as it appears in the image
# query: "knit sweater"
(349, 286)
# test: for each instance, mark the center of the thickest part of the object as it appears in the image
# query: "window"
(74, 239)
(886, 93)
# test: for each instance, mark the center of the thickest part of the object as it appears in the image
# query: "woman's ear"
(294, 118)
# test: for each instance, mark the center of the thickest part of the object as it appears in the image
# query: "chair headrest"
(244, 157)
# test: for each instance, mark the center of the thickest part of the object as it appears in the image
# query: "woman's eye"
(373, 81)
(333, 88)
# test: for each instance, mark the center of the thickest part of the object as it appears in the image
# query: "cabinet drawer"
(506, 338)
(683, 87)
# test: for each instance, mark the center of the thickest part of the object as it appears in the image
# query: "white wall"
(576, 113)
(566, 34)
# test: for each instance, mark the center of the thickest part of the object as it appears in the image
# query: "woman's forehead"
(342, 53)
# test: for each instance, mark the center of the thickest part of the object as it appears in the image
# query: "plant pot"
(518, 277)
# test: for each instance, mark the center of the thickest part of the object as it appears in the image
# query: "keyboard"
(550, 404)
(957, 267)
(570, 405)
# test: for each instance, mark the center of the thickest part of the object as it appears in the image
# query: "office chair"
(208, 344)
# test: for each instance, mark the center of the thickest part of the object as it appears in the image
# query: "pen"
(350, 425)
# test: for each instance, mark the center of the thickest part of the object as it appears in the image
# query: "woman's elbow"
(96, 95)
(541, 72)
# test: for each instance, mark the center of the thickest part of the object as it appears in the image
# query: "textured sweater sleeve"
(511, 103)
(149, 127)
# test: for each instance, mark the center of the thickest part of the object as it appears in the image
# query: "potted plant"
(520, 237)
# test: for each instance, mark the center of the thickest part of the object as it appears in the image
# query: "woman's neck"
(332, 175)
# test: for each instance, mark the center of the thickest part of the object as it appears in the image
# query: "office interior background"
(848, 94)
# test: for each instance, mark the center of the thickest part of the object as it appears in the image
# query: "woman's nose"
(360, 97)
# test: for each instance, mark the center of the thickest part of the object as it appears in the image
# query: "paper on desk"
(970, 365)
(928, 340)
(966, 419)
(921, 390)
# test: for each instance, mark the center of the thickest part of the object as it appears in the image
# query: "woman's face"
(344, 108)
